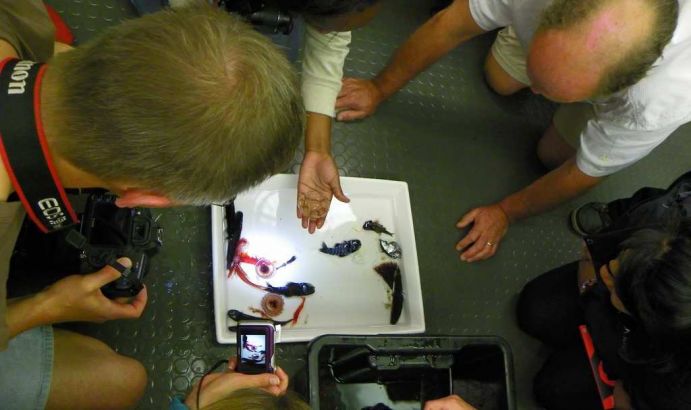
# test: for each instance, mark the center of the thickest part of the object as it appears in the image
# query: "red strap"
(62, 31)
(603, 375)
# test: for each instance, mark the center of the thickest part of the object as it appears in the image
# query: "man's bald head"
(587, 48)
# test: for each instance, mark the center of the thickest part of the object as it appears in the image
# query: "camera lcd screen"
(253, 351)
(105, 229)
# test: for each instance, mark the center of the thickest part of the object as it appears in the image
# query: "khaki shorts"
(569, 119)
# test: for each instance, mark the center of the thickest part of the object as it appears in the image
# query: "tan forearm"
(28, 312)
(439, 35)
(554, 188)
(318, 133)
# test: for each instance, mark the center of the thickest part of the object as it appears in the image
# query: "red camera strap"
(24, 148)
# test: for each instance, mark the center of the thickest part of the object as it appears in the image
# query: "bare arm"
(74, 298)
(491, 222)
(447, 29)
(439, 35)
(318, 133)
(556, 187)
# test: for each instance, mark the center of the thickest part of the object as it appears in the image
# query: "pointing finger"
(106, 275)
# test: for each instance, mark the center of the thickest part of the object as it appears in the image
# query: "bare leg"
(552, 149)
(498, 79)
(87, 374)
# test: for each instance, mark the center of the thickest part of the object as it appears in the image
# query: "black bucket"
(404, 372)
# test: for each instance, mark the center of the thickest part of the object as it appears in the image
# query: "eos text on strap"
(24, 148)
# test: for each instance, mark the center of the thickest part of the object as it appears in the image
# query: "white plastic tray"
(350, 297)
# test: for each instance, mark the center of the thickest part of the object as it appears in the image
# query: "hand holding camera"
(218, 386)
(79, 298)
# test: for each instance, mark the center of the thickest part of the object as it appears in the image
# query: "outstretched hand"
(218, 386)
(357, 99)
(317, 184)
(490, 224)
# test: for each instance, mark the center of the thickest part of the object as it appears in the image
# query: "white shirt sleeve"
(322, 69)
(491, 14)
(607, 147)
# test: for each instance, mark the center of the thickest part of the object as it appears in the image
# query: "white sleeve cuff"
(319, 98)
(322, 69)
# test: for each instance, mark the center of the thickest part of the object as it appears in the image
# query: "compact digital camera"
(256, 343)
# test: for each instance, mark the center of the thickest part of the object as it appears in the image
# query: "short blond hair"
(257, 399)
(191, 103)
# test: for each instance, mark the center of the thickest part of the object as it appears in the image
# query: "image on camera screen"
(253, 351)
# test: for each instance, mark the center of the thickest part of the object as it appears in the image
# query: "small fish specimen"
(342, 249)
(391, 248)
(376, 227)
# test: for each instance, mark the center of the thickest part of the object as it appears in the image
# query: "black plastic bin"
(403, 372)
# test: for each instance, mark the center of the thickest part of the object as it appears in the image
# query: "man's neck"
(69, 175)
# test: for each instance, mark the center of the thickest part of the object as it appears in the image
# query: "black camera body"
(266, 15)
(110, 232)
(104, 233)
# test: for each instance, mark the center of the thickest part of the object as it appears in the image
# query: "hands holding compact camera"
(218, 386)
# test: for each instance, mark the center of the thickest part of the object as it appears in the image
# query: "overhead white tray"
(350, 297)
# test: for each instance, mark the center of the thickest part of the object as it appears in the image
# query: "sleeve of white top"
(322, 69)
(607, 147)
(491, 14)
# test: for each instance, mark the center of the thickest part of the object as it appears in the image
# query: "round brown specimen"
(272, 304)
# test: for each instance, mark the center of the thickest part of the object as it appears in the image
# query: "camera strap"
(24, 148)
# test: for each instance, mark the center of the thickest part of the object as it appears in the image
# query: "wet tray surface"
(350, 297)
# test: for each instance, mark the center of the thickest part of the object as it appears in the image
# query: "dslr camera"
(104, 233)
(107, 232)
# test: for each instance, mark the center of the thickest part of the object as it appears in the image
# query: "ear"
(132, 197)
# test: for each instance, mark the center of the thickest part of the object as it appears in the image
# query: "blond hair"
(257, 399)
(191, 103)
